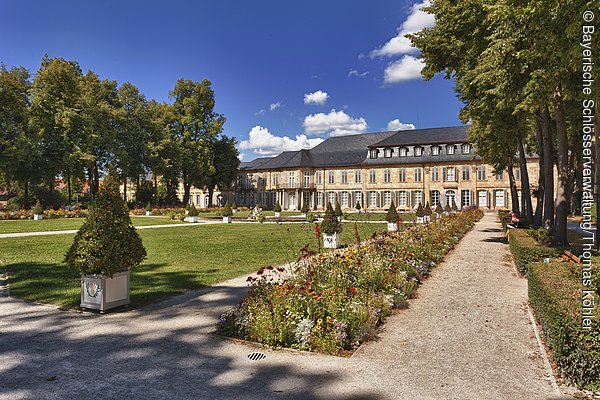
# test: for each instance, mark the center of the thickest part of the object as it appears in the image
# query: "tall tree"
(194, 126)
(225, 163)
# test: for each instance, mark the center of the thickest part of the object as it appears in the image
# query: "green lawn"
(179, 259)
(62, 224)
(377, 216)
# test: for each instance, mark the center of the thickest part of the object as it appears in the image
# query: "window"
(450, 149)
(418, 175)
(292, 179)
(387, 176)
(373, 199)
(435, 150)
(372, 176)
(332, 198)
(499, 198)
(417, 198)
(465, 198)
(344, 176)
(450, 174)
(450, 197)
(275, 179)
(345, 199)
(481, 173)
(466, 173)
(319, 177)
(402, 175)
(517, 172)
(306, 178)
(373, 153)
(435, 197)
(402, 199)
(331, 177)
(466, 148)
(206, 201)
(197, 199)
(292, 199)
(387, 153)
(387, 198)
(482, 198)
(499, 176)
(358, 198)
(435, 174)
(320, 199)
(357, 176)
(418, 151)
(403, 151)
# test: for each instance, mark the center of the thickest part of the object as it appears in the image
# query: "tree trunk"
(537, 219)
(211, 190)
(562, 201)
(525, 190)
(91, 183)
(514, 194)
(26, 204)
(186, 193)
(548, 170)
(96, 177)
(125, 189)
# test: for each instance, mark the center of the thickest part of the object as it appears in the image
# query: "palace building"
(435, 166)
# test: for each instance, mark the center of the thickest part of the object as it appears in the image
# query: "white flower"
(303, 330)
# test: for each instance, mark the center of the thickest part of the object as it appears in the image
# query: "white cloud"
(361, 56)
(354, 72)
(396, 125)
(275, 106)
(334, 123)
(319, 98)
(405, 69)
(241, 156)
(399, 44)
(263, 142)
(260, 112)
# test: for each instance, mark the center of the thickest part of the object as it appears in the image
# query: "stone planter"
(330, 241)
(187, 212)
(99, 292)
(303, 215)
(148, 213)
(277, 214)
(191, 219)
(38, 217)
(339, 219)
(427, 218)
(420, 220)
(392, 226)
(227, 220)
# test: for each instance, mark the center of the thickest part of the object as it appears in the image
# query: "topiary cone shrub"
(420, 212)
(227, 210)
(148, 207)
(454, 206)
(38, 209)
(392, 214)
(338, 210)
(358, 207)
(193, 212)
(330, 224)
(107, 242)
(438, 209)
(427, 210)
(234, 205)
(304, 208)
(277, 207)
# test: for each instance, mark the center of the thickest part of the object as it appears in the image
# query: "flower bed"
(333, 302)
(49, 214)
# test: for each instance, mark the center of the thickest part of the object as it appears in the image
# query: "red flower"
(318, 231)
(352, 289)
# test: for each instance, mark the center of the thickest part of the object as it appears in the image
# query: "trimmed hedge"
(555, 293)
(526, 250)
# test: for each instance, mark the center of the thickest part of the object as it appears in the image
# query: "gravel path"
(466, 336)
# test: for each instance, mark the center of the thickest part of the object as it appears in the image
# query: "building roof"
(352, 150)
(447, 135)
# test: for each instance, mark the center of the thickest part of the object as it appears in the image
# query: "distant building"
(435, 166)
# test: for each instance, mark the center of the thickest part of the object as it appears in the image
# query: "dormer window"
(387, 153)
(418, 151)
(466, 148)
(435, 150)
(373, 153)
(403, 151)
(450, 149)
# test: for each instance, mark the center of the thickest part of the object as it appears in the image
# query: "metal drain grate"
(257, 356)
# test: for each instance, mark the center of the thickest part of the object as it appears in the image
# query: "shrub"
(304, 208)
(277, 207)
(227, 210)
(338, 210)
(427, 210)
(311, 217)
(234, 205)
(439, 209)
(555, 294)
(420, 212)
(526, 250)
(447, 208)
(193, 211)
(107, 242)
(38, 209)
(148, 207)
(330, 224)
(392, 214)
(357, 206)
(454, 206)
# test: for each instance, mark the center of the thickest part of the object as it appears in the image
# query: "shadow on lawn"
(158, 352)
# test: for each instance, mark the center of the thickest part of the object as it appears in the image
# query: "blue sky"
(285, 75)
